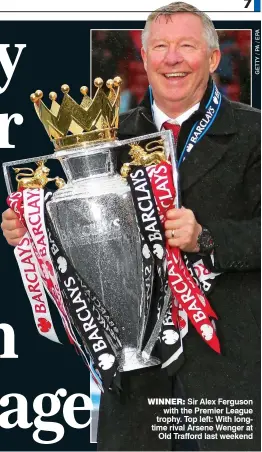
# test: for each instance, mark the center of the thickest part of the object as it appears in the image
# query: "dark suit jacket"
(220, 182)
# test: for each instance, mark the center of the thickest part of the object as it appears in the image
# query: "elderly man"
(219, 224)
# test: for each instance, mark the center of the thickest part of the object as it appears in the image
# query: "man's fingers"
(14, 234)
(177, 242)
(13, 230)
(174, 214)
(9, 214)
(174, 224)
(13, 242)
(175, 233)
(10, 225)
(172, 233)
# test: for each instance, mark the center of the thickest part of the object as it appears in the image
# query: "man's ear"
(144, 58)
(214, 60)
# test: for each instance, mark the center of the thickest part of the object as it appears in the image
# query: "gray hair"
(210, 33)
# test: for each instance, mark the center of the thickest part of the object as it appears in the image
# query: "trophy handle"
(32, 178)
(38, 177)
(144, 156)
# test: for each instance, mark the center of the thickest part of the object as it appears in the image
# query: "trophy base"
(131, 359)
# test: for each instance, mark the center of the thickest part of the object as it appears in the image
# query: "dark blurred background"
(117, 52)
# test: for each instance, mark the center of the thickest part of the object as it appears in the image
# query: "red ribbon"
(187, 293)
(15, 202)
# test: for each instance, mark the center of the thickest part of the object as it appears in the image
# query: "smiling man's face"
(178, 61)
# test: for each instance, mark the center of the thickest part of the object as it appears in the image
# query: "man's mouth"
(175, 74)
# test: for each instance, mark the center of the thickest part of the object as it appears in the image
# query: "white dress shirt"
(160, 117)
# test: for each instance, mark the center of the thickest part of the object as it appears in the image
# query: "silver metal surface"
(95, 220)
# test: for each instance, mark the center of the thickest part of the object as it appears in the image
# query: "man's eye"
(187, 45)
(158, 46)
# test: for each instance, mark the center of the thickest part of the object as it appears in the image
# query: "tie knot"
(174, 127)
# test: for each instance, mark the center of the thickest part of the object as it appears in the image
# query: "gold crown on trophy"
(71, 124)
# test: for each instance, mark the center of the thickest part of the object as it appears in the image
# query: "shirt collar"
(160, 117)
(133, 124)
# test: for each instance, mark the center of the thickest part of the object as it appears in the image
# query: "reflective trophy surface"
(93, 213)
(94, 218)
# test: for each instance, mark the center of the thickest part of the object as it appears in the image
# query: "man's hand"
(182, 229)
(12, 229)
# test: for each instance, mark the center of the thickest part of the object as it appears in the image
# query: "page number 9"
(247, 3)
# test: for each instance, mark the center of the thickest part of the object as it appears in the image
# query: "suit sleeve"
(237, 243)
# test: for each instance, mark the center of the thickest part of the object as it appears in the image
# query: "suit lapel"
(202, 159)
(210, 149)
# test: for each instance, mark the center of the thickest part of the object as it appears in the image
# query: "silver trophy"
(93, 213)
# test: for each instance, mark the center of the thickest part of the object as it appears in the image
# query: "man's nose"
(173, 56)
